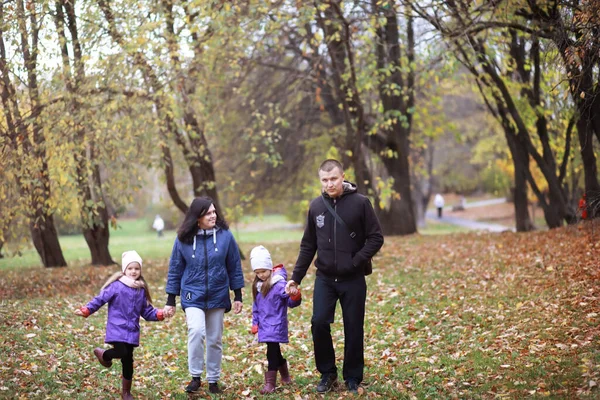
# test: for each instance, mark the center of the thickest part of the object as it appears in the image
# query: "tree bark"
(399, 218)
(567, 24)
(585, 134)
(195, 151)
(94, 214)
(45, 240)
(523, 222)
(388, 217)
(43, 230)
(338, 39)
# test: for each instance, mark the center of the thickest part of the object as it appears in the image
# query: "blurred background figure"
(583, 207)
(158, 225)
(438, 201)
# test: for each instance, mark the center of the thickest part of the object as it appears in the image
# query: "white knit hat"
(260, 258)
(128, 257)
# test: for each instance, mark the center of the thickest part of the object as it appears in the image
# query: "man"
(344, 251)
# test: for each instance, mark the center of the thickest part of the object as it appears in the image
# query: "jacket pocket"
(326, 261)
(219, 276)
(344, 263)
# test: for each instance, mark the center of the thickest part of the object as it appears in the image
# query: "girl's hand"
(291, 288)
(169, 311)
(83, 312)
(237, 307)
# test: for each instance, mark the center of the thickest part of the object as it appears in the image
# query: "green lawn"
(137, 234)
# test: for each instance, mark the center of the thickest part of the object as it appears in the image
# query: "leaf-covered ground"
(455, 316)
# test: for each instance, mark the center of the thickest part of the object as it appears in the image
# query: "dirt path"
(497, 213)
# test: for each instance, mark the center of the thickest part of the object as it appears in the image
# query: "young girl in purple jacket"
(269, 313)
(128, 298)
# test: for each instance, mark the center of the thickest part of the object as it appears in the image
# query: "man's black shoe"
(213, 387)
(352, 385)
(327, 383)
(193, 386)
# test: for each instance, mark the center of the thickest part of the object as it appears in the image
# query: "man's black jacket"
(338, 255)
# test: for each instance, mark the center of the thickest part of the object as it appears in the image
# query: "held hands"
(291, 288)
(79, 312)
(237, 307)
(169, 311)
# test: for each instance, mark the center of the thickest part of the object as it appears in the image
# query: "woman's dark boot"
(126, 391)
(285, 373)
(270, 382)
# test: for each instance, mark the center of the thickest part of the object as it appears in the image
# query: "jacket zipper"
(205, 273)
(335, 239)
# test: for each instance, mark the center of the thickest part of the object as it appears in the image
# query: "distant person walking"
(344, 252)
(128, 299)
(158, 225)
(438, 202)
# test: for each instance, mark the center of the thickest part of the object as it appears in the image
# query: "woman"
(205, 264)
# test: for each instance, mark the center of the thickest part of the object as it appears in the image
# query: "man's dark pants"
(352, 296)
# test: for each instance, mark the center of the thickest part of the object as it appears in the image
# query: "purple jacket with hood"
(269, 312)
(125, 306)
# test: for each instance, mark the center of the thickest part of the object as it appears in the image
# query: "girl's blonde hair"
(264, 289)
(117, 275)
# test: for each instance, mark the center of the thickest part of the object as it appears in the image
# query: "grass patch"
(433, 227)
(137, 234)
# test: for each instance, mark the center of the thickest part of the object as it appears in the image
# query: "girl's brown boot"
(285, 373)
(126, 391)
(270, 382)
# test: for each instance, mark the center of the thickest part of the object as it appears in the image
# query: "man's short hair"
(330, 164)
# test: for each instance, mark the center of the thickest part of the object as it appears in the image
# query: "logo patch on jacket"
(320, 221)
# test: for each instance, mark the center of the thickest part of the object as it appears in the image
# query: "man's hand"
(237, 307)
(291, 288)
(169, 311)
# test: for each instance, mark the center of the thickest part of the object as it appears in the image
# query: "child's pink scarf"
(133, 283)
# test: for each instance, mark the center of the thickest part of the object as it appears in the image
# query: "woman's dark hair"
(189, 226)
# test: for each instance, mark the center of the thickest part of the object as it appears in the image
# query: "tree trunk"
(523, 221)
(43, 230)
(170, 178)
(547, 165)
(338, 39)
(586, 137)
(391, 224)
(97, 241)
(97, 238)
(399, 218)
(45, 240)
(95, 229)
(580, 71)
